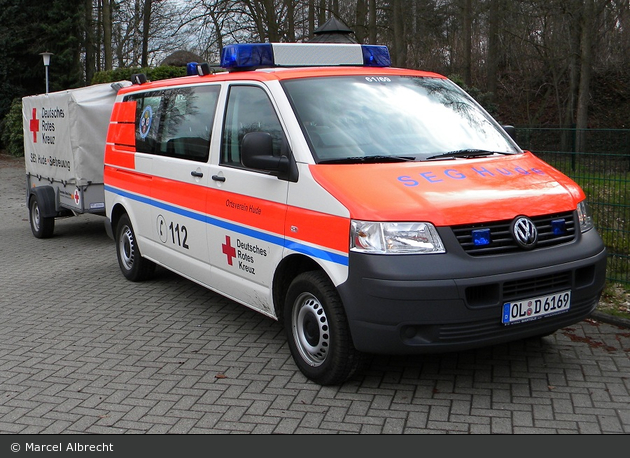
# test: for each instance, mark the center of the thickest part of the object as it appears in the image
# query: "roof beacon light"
(245, 56)
(261, 55)
(191, 68)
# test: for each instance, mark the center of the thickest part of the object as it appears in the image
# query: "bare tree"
(536, 58)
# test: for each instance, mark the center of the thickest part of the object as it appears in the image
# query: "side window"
(248, 110)
(187, 122)
(148, 111)
(176, 122)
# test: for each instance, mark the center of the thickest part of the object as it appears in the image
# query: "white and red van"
(370, 209)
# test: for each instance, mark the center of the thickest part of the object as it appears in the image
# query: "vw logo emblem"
(525, 232)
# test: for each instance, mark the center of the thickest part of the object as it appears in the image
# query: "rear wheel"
(41, 226)
(317, 330)
(133, 266)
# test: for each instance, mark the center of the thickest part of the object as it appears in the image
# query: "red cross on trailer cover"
(64, 143)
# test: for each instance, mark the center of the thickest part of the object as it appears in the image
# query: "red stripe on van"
(318, 228)
(124, 112)
(186, 195)
(120, 156)
(122, 134)
(308, 226)
(130, 181)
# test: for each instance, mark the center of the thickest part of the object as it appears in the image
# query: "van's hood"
(450, 192)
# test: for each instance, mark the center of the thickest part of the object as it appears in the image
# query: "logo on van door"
(145, 121)
(228, 250)
(247, 253)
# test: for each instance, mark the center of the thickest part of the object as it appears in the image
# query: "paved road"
(82, 350)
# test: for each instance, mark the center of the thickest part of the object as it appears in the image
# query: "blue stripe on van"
(273, 239)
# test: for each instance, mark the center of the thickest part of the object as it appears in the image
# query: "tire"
(41, 226)
(317, 330)
(133, 266)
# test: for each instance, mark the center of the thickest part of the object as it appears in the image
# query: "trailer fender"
(46, 200)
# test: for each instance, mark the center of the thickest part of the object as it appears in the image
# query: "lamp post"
(46, 56)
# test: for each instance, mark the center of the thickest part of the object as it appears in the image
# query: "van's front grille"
(502, 241)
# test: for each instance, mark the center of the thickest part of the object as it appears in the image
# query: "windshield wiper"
(367, 159)
(464, 153)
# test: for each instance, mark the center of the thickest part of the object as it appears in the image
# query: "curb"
(611, 319)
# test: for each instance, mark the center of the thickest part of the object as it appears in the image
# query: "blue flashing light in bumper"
(261, 55)
(559, 227)
(481, 237)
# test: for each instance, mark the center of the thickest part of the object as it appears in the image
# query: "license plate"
(537, 307)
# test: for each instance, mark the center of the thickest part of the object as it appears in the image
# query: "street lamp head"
(46, 56)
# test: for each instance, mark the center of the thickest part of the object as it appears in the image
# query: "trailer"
(64, 142)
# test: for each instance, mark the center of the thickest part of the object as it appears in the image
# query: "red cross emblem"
(34, 125)
(228, 249)
(76, 196)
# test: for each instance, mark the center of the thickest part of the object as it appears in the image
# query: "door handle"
(218, 178)
(196, 174)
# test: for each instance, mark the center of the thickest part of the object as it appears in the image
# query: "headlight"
(395, 238)
(584, 216)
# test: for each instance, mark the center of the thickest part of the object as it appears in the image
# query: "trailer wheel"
(133, 266)
(41, 226)
(317, 330)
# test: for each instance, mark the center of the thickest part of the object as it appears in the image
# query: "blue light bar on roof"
(261, 55)
(247, 56)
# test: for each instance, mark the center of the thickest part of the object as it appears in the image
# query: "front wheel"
(133, 266)
(41, 226)
(317, 330)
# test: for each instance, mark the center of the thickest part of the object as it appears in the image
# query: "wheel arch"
(118, 210)
(289, 268)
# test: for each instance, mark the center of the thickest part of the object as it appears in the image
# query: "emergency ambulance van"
(369, 209)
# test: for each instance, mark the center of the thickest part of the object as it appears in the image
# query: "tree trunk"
(360, 15)
(493, 48)
(573, 71)
(271, 18)
(467, 41)
(311, 18)
(290, 5)
(146, 25)
(322, 13)
(400, 45)
(107, 35)
(372, 21)
(586, 58)
(90, 66)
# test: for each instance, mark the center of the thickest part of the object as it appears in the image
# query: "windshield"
(392, 118)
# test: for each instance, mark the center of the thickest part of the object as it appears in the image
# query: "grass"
(605, 178)
(615, 300)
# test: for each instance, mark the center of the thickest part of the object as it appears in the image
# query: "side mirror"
(511, 131)
(257, 153)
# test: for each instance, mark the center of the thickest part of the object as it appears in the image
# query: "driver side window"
(248, 110)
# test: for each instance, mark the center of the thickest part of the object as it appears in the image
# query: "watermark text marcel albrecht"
(61, 447)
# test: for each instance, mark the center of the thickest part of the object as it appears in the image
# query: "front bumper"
(452, 302)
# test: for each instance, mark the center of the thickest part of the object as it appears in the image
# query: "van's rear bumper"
(451, 302)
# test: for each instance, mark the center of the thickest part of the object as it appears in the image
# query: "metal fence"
(602, 169)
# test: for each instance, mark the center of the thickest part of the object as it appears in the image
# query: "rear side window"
(176, 122)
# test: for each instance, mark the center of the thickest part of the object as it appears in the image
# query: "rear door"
(180, 177)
